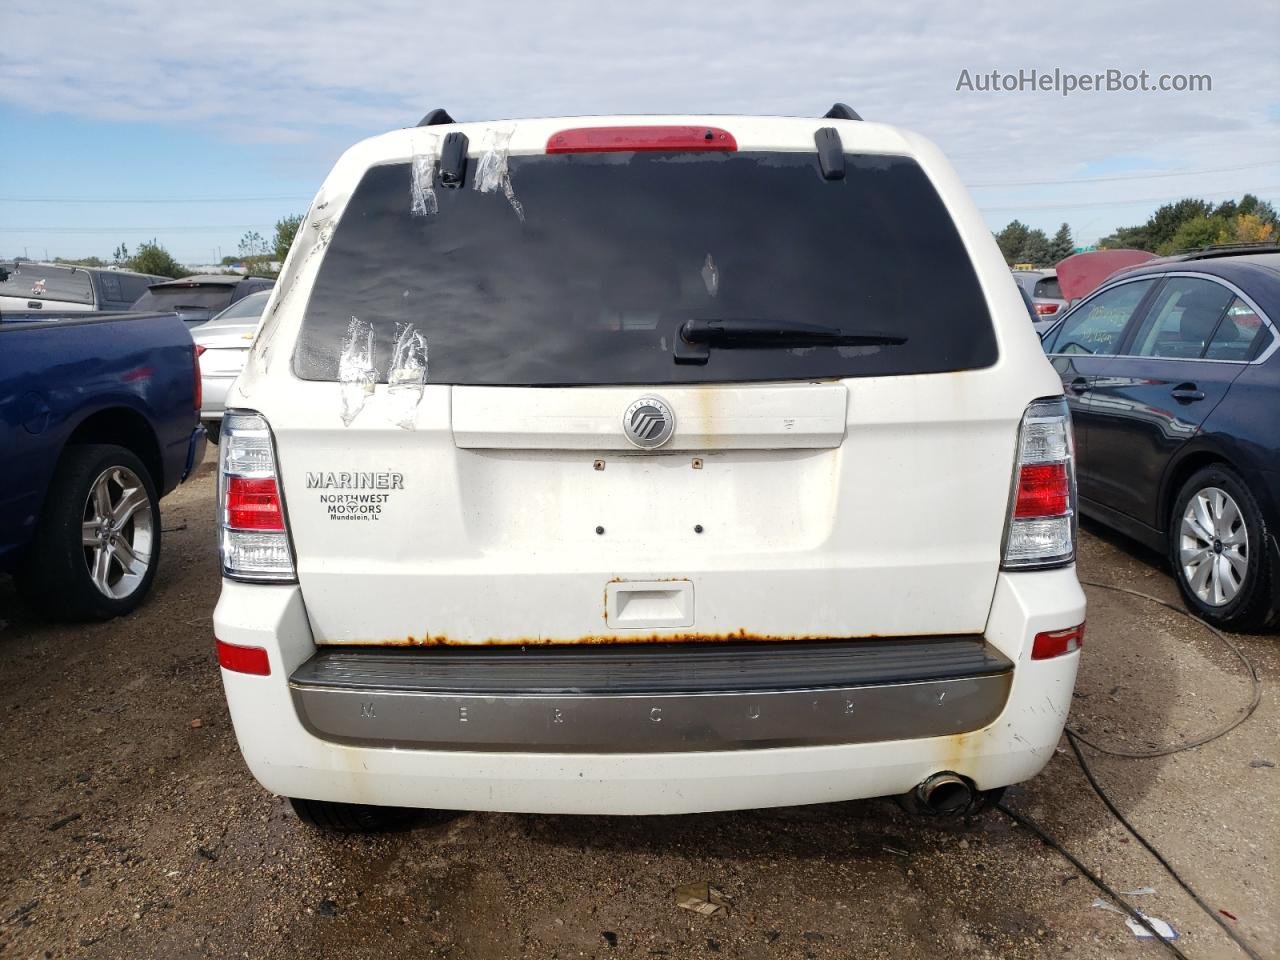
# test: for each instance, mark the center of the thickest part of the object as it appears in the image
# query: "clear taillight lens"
(253, 533)
(1042, 509)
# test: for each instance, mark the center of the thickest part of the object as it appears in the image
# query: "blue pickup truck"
(99, 419)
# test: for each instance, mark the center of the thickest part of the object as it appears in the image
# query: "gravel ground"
(131, 829)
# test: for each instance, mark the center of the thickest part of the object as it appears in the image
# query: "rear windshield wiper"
(695, 337)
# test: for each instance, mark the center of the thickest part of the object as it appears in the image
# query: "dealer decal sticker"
(362, 505)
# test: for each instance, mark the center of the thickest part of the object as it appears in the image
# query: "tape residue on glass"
(711, 275)
(491, 171)
(356, 372)
(422, 180)
(407, 376)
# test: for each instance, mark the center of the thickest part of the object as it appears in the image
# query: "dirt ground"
(129, 827)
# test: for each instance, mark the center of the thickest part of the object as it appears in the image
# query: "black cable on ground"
(1198, 741)
(1090, 876)
(1097, 788)
(1075, 738)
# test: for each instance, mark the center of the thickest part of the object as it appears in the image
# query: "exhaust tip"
(945, 794)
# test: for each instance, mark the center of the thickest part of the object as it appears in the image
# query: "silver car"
(1046, 296)
(224, 344)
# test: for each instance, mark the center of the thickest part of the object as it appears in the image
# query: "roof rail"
(1228, 250)
(841, 111)
(435, 117)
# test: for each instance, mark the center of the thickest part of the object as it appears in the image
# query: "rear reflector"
(253, 503)
(232, 656)
(1045, 308)
(1044, 490)
(622, 139)
(1054, 643)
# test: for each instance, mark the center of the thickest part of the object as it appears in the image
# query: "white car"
(223, 344)
(640, 475)
(1046, 296)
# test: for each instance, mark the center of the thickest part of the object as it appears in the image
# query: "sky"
(136, 120)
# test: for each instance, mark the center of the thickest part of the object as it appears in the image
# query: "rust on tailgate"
(620, 638)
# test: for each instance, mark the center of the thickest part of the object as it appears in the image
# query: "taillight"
(1044, 490)
(254, 504)
(241, 659)
(1054, 643)
(1042, 523)
(199, 381)
(253, 530)
(640, 138)
(1046, 308)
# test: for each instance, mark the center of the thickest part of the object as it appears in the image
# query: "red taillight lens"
(620, 139)
(1046, 308)
(254, 504)
(1044, 490)
(1054, 643)
(199, 383)
(240, 659)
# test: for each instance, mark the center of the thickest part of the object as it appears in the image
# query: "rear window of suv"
(1048, 289)
(616, 250)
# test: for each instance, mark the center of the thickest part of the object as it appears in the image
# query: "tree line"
(256, 254)
(1187, 224)
(1021, 244)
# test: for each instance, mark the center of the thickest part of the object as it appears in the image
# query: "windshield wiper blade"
(695, 337)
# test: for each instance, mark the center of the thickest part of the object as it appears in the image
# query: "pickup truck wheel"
(97, 543)
(350, 817)
(1219, 547)
(214, 429)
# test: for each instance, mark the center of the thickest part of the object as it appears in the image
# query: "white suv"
(645, 465)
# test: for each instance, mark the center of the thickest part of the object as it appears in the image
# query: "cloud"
(326, 73)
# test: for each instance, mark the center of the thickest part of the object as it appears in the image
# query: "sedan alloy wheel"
(1213, 546)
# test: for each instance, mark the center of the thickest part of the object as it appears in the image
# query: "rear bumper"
(402, 766)
(652, 699)
(214, 396)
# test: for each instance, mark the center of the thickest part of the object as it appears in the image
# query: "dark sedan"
(198, 299)
(1172, 372)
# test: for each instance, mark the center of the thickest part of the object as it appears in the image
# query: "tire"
(1216, 518)
(214, 429)
(59, 577)
(350, 817)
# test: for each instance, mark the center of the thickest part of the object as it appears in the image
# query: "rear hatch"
(193, 302)
(475, 378)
